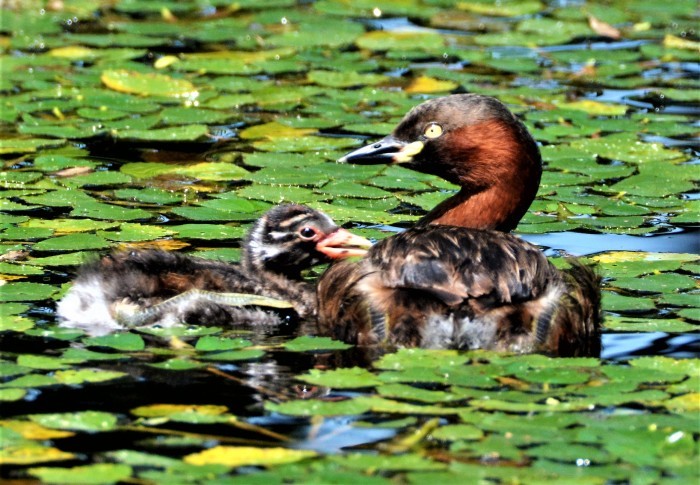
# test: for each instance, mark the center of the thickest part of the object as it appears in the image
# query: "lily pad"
(342, 378)
(236, 456)
(90, 474)
(147, 84)
(173, 134)
(79, 421)
(26, 291)
(306, 343)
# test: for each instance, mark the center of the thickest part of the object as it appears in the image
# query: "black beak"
(383, 151)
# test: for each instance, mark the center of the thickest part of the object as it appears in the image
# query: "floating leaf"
(166, 410)
(27, 145)
(173, 134)
(408, 461)
(425, 84)
(77, 421)
(201, 171)
(315, 407)
(41, 362)
(32, 454)
(119, 341)
(458, 432)
(381, 40)
(208, 344)
(26, 291)
(101, 473)
(235, 456)
(11, 395)
(82, 376)
(150, 84)
(72, 242)
(307, 343)
(341, 378)
(344, 79)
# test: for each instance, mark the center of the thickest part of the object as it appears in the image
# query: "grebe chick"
(158, 287)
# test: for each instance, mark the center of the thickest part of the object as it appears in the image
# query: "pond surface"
(175, 124)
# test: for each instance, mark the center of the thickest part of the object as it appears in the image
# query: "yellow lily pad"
(164, 410)
(34, 431)
(235, 456)
(273, 130)
(425, 84)
(596, 107)
(26, 455)
(152, 84)
(687, 402)
(679, 43)
(73, 52)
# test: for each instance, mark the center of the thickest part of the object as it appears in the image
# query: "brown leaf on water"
(15, 255)
(73, 171)
(163, 244)
(603, 28)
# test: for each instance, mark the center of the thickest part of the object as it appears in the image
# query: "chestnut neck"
(488, 209)
(498, 166)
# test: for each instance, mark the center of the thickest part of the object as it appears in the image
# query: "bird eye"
(433, 130)
(307, 232)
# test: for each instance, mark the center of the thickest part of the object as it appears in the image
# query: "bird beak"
(343, 244)
(386, 150)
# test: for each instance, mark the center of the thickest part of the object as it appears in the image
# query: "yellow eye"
(433, 130)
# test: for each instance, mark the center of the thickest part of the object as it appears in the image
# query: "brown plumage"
(281, 244)
(473, 286)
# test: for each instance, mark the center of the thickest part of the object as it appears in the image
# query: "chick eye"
(307, 232)
(433, 130)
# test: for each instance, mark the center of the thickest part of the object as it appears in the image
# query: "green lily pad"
(630, 324)
(97, 179)
(79, 241)
(178, 365)
(97, 474)
(307, 343)
(42, 362)
(203, 171)
(208, 231)
(315, 407)
(209, 344)
(82, 376)
(93, 421)
(119, 341)
(149, 195)
(26, 291)
(52, 163)
(172, 134)
(344, 79)
(147, 84)
(408, 461)
(615, 302)
(458, 432)
(341, 378)
(657, 283)
(8, 395)
(27, 145)
(380, 40)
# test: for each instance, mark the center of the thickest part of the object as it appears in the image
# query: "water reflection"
(580, 244)
(622, 346)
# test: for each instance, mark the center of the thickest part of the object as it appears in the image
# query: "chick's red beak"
(341, 244)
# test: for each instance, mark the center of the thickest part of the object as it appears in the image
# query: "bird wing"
(456, 264)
